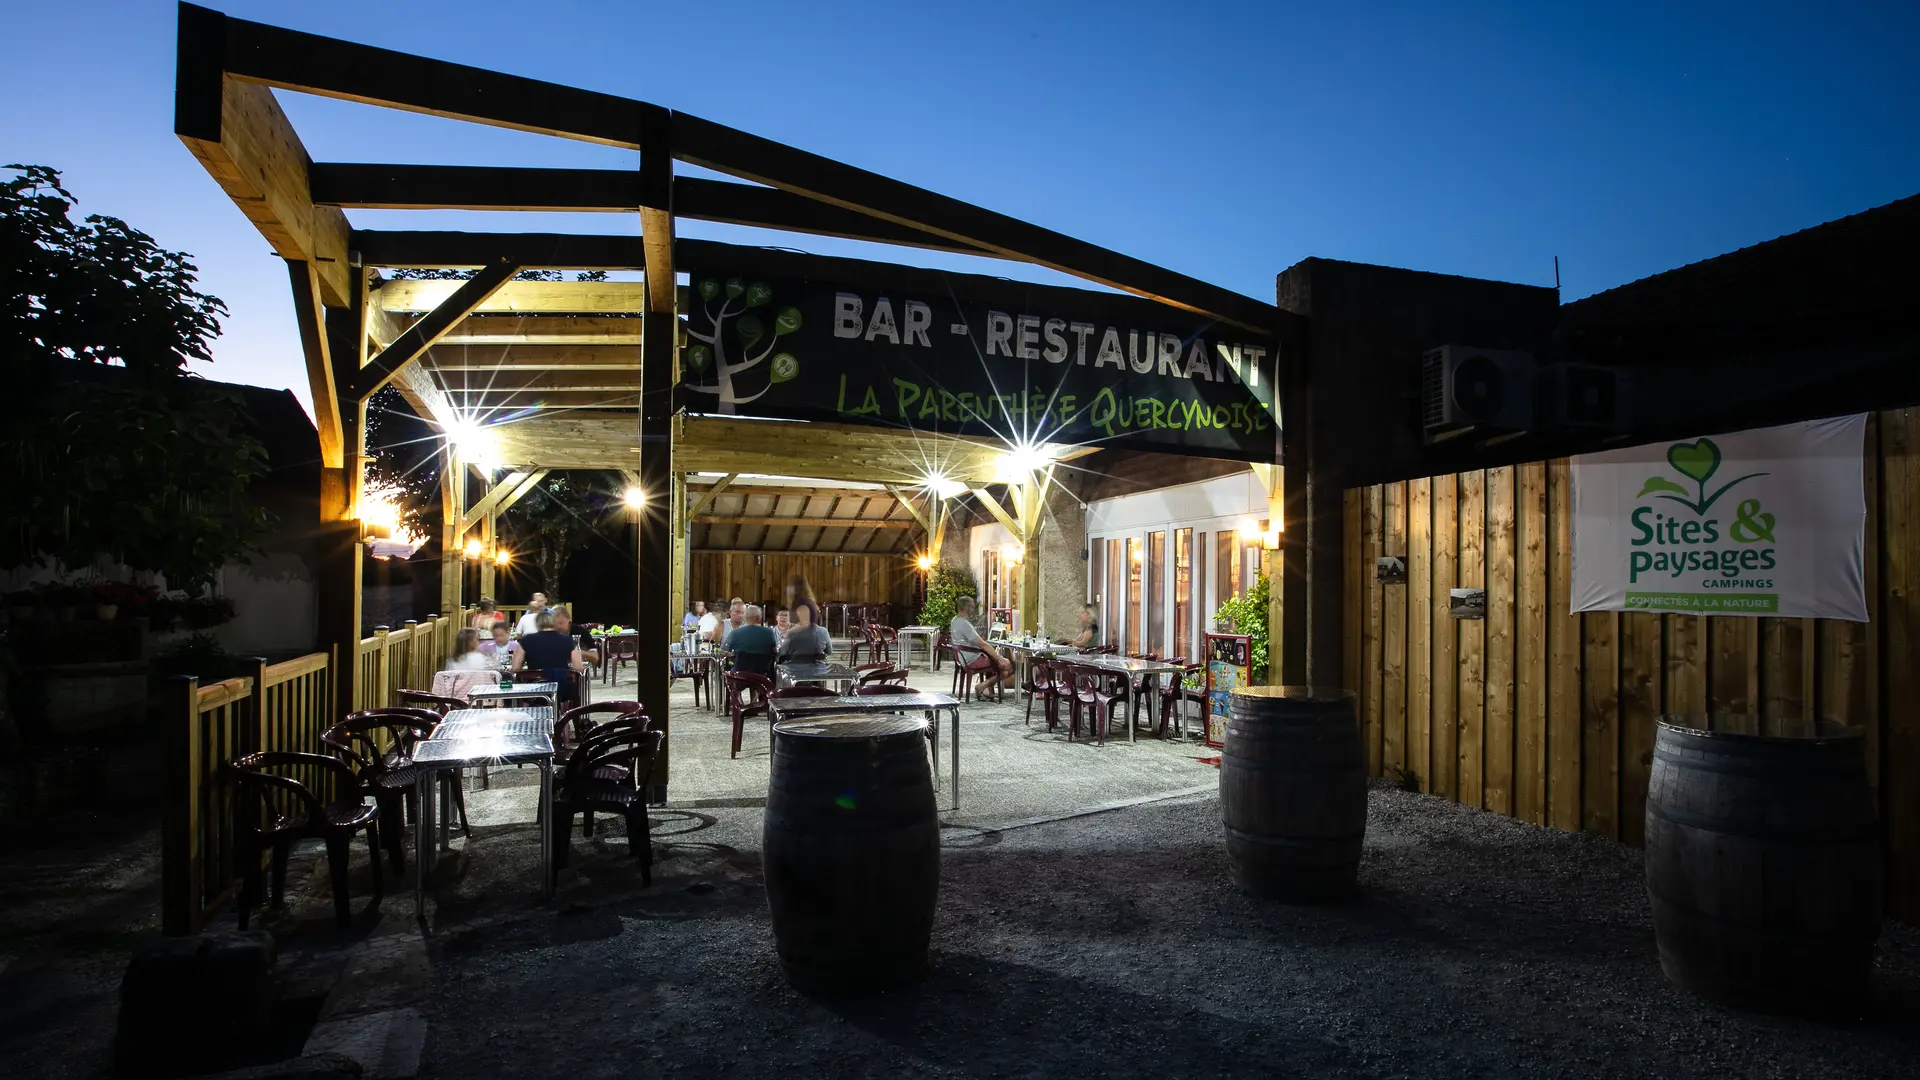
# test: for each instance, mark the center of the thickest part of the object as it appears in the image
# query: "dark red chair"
(888, 639)
(964, 673)
(880, 673)
(578, 722)
(602, 777)
(1092, 690)
(376, 746)
(881, 689)
(1173, 693)
(1039, 683)
(615, 650)
(272, 811)
(434, 703)
(803, 691)
(747, 695)
(694, 670)
(941, 647)
(863, 639)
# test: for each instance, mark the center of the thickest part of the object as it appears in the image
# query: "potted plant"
(63, 597)
(122, 597)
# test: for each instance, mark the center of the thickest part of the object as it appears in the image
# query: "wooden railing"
(403, 659)
(281, 706)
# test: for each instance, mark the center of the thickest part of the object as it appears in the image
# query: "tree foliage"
(552, 523)
(1248, 614)
(145, 464)
(946, 584)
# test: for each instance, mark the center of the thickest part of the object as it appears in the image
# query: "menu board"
(1229, 667)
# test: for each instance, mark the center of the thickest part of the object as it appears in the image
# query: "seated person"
(556, 656)
(753, 644)
(589, 648)
(782, 622)
(708, 628)
(499, 648)
(466, 652)
(1089, 634)
(994, 668)
(805, 645)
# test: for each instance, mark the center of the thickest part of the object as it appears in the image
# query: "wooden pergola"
(585, 370)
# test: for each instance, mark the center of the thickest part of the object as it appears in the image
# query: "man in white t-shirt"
(709, 628)
(529, 623)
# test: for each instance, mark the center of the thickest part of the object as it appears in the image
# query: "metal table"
(906, 634)
(467, 738)
(929, 703)
(829, 671)
(500, 695)
(1148, 671)
(714, 661)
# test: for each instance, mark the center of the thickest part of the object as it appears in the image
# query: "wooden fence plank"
(1420, 630)
(1686, 676)
(1900, 582)
(1533, 542)
(1370, 554)
(1353, 600)
(1847, 677)
(1497, 741)
(1735, 669)
(1470, 704)
(1564, 644)
(1443, 729)
(1393, 637)
(1600, 724)
(1642, 671)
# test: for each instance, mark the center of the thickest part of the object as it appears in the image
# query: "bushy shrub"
(946, 584)
(1248, 614)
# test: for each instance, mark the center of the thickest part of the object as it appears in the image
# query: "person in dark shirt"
(1089, 634)
(752, 643)
(555, 655)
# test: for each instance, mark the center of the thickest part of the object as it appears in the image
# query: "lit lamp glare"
(473, 549)
(942, 486)
(634, 498)
(924, 562)
(502, 557)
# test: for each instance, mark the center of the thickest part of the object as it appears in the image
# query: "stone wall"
(1063, 572)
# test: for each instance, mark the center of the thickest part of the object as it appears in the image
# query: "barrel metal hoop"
(1239, 762)
(1292, 842)
(1717, 825)
(1749, 766)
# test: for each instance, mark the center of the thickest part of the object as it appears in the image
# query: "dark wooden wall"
(868, 579)
(1549, 717)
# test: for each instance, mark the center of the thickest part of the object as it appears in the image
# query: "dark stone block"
(196, 1003)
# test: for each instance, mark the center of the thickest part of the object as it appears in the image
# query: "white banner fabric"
(1765, 522)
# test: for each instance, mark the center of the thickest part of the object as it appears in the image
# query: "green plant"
(946, 584)
(200, 655)
(206, 612)
(1248, 614)
(1407, 780)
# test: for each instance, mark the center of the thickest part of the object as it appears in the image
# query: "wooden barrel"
(1293, 792)
(852, 850)
(1763, 862)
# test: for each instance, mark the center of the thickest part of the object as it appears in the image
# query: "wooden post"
(654, 618)
(180, 854)
(682, 531)
(489, 569)
(339, 560)
(452, 558)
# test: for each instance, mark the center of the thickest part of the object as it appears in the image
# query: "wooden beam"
(806, 522)
(474, 187)
(309, 314)
(750, 489)
(999, 512)
(489, 504)
(510, 380)
(518, 493)
(457, 250)
(589, 358)
(520, 297)
(332, 68)
(918, 516)
(244, 140)
(495, 330)
(771, 208)
(707, 496)
(431, 328)
(751, 157)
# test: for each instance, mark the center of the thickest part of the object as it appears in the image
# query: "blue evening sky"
(1224, 140)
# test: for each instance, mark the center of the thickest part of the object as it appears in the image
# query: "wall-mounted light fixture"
(474, 549)
(502, 557)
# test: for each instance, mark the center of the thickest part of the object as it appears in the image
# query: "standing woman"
(801, 609)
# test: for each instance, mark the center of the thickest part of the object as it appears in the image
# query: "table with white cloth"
(476, 738)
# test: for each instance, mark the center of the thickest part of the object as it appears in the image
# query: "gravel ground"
(1112, 945)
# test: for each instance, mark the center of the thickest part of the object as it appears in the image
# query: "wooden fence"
(1549, 716)
(865, 579)
(281, 706)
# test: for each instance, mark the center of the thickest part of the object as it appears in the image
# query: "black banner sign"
(833, 339)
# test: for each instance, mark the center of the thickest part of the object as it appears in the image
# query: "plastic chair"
(577, 723)
(385, 770)
(1039, 683)
(693, 669)
(880, 673)
(265, 826)
(747, 695)
(863, 639)
(615, 651)
(1173, 694)
(602, 777)
(1092, 691)
(437, 704)
(881, 689)
(964, 672)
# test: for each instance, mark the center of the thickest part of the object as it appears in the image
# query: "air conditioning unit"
(1588, 397)
(1465, 389)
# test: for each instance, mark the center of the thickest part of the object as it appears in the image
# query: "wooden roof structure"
(582, 374)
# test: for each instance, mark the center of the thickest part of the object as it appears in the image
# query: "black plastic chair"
(270, 824)
(387, 772)
(603, 777)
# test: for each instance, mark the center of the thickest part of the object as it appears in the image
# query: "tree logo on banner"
(1665, 547)
(1697, 461)
(735, 339)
